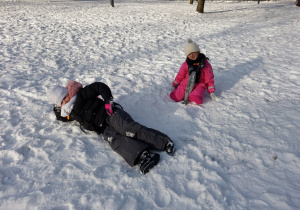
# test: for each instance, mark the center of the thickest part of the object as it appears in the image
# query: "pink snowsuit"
(206, 82)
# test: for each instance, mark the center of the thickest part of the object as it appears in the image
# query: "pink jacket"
(206, 78)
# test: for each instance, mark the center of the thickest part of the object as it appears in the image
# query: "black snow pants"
(129, 138)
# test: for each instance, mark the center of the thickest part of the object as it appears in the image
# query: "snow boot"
(147, 161)
(169, 148)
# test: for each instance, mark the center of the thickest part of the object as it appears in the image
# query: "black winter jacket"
(88, 109)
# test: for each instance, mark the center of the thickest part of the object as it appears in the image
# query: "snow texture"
(241, 152)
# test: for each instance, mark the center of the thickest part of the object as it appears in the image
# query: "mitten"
(213, 96)
(109, 105)
(57, 112)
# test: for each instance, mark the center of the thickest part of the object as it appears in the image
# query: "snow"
(241, 152)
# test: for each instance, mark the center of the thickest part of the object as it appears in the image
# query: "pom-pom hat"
(56, 94)
(190, 47)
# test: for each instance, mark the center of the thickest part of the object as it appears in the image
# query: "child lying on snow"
(128, 138)
(194, 77)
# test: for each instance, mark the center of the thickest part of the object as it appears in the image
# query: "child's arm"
(209, 78)
(95, 89)
(181, 74)
(91, 92)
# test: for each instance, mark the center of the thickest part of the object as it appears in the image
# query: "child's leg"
(197, 95)
(178, 94)
(129, 149)
(123, 123)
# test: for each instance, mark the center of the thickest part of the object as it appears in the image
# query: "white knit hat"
(56, 94)
(191, 47)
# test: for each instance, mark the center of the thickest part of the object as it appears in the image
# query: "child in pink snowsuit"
(195, 76)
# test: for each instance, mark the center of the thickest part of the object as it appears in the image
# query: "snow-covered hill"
(242, 152)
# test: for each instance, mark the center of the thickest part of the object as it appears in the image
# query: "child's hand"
(109, 105)
(213, 97)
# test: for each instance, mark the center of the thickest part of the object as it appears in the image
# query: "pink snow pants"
(195, 96)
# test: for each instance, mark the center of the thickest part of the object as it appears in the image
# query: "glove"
(175, 84)
(109, 105)
(213, 97)
(57, 112)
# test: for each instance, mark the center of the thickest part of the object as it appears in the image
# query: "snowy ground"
(242, 152)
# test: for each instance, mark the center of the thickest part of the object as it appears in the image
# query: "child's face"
(193, 56)
(65, 100)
